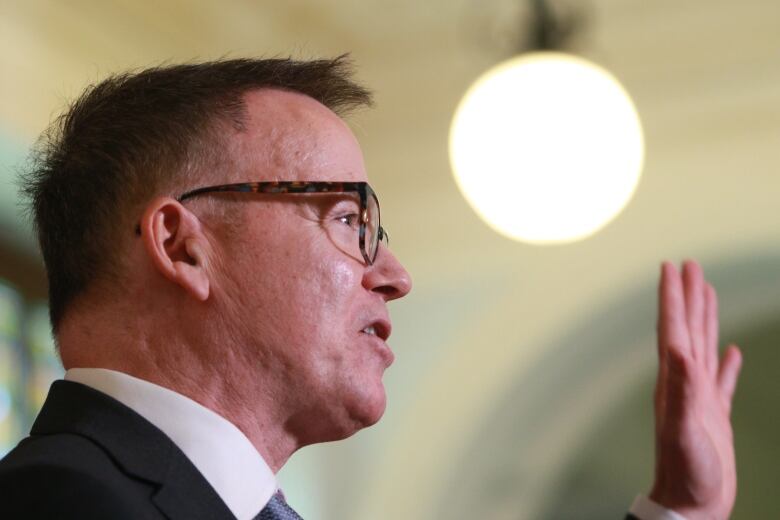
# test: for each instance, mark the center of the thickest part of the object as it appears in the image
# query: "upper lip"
(382, 327)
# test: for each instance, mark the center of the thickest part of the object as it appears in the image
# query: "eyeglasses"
(370, 232)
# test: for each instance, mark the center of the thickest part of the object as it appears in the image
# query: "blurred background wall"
(522, 385)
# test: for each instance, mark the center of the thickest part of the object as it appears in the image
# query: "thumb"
(728, 373)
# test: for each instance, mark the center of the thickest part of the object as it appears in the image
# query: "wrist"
(687, 506)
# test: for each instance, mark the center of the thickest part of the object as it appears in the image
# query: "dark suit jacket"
(89, 456)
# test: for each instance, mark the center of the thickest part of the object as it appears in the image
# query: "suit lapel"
(139, 448)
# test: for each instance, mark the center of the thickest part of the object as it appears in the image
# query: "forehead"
(291, 137)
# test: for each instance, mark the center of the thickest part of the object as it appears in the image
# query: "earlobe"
(174, 241)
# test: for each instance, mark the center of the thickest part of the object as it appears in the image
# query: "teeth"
(370, 330)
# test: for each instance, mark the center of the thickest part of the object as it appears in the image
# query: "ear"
(174, 240)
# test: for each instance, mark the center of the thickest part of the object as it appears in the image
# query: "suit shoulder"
(45, 491)
(68, 476)
(61, 450)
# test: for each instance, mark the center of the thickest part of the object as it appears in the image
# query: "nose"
(387, 276)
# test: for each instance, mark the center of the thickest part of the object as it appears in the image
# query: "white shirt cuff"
(645, 509)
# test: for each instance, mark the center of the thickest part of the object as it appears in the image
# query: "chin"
(338, 417)
(375, 412)
(364, 413)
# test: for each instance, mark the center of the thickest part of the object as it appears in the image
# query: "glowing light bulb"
(547, 147)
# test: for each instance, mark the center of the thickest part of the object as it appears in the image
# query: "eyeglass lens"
(372, 227)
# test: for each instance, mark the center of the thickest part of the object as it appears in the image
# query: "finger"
(659, 395)
(661, 380)
(672, 334)
(711, 328)
(679, 390)
(672, 322)
(693, 283)
(729, 374)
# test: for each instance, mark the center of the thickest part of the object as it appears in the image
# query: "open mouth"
(379, 329)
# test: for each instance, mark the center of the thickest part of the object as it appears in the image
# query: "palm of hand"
(695, 463)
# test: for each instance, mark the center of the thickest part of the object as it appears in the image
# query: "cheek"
(299, 293)
(339, 277)
(314, 295)
(329, 295)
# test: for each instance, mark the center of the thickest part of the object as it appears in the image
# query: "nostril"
(387, 277)
(387, 290)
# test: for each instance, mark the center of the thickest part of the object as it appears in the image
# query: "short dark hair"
(131, 135)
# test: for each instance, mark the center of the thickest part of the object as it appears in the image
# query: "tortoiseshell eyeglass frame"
(364, 191)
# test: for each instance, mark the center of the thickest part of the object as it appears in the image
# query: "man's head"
(259, 299)
(133, 136)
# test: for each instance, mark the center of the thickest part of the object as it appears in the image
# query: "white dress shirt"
(214, 445)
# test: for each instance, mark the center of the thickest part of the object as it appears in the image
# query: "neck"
(249, 409)
(189, 365)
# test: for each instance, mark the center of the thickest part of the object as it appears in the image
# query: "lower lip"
(382, 348)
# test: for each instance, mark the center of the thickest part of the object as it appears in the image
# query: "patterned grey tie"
(277, 509)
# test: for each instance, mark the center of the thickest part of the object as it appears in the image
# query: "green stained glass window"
(28, 364)
(44, 364)
(12, 419)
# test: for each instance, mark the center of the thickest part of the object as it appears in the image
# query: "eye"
(351, 219)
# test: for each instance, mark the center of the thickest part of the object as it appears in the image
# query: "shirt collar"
(214, 445)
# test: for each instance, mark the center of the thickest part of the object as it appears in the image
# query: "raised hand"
(695, 468)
